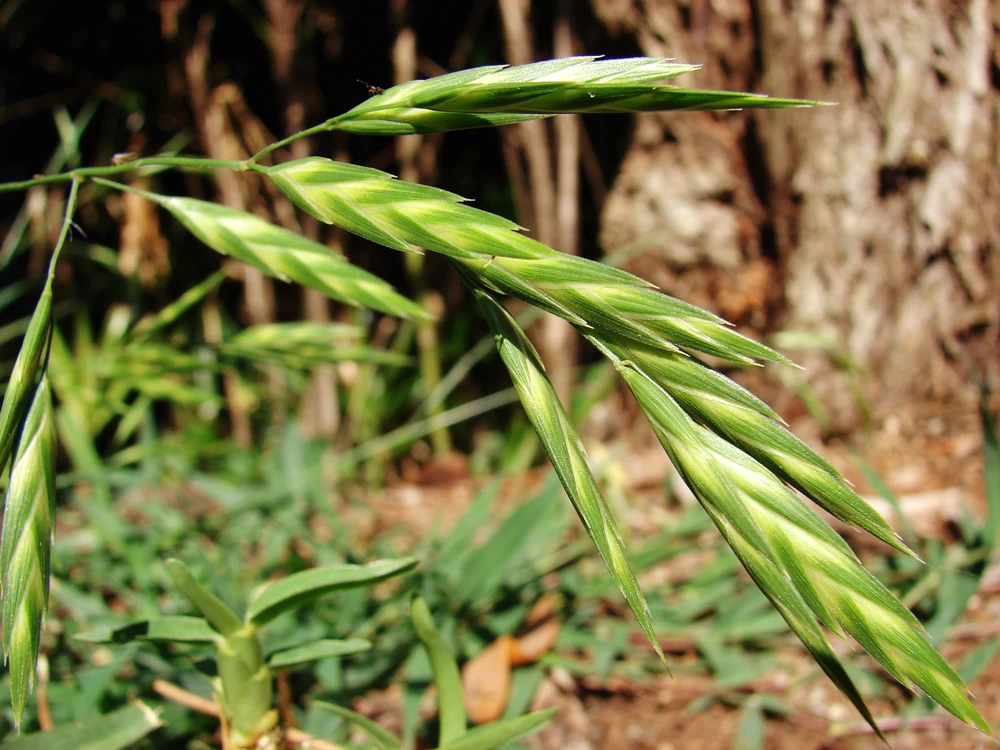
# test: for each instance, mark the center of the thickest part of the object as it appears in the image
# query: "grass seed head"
(24, 376)
(26, 543)
(794, 556)
(286, 255)
(500, 95)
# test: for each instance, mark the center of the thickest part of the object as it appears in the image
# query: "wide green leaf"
(300, 588)
(113, 731)
(212, 607)
(382, 739)
(178, 628)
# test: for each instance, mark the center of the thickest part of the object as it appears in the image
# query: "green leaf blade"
(381, 737)
(114, 731)
(447, 679)
(322, 649)
(500, 733)
(174, 629)
(299, 588)
(222, 618)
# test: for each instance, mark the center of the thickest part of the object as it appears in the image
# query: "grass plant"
(730, 448)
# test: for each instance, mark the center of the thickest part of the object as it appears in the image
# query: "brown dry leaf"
(486, 678)
(532, 646)
(486, 681)
(543, 609)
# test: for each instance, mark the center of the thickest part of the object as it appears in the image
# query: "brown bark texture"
(875, 221)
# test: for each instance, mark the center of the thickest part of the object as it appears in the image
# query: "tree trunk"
(876, 221)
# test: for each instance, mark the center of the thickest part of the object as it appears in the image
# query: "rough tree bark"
(877, 220)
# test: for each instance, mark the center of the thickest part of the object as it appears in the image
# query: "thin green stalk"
(181, 162)
(323, 127)
(74, 192)
(416, 430)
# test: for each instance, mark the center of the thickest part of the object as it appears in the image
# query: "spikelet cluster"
(26, 543)
(500, 95)
(730, 447)
(286, 255)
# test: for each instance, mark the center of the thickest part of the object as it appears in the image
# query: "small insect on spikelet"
(26, 541)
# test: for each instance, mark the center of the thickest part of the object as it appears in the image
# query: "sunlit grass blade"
(499, 734)
(499, 95)
(447, 679)
(172, 312)
(212, 608)
(491, 251)
(379, 736)
(26, 543)
(566, 452)
(787, 548)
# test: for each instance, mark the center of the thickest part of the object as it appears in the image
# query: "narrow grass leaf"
(379, 736)
(447, 678)
(26, 543)
(176, 629)
(114, 731)
(299, 588)
(566, 452)
(500, 733)
(171, 313)
(991, 474)
(305, 344)
(323, 649)
(24, 376)
(211, 607)
(750, 730)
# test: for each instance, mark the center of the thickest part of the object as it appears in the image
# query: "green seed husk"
(24, 376)
(286, 255)
(26, 543)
